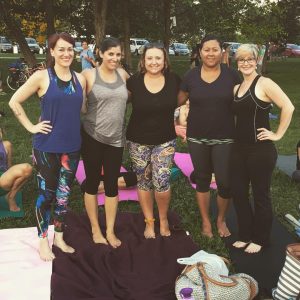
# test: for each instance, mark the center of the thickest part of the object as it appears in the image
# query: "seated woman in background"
(296, 174)
(12, 178)
(180, 120)
(125, 180)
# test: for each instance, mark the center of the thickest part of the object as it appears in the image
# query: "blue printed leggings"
(56, 172)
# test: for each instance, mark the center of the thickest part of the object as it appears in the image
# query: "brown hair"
(52, 40)
(141, 65)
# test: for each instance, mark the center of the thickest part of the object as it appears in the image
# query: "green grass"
(285, 194)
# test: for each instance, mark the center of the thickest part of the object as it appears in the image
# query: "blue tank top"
(3, 158)
(60, 106)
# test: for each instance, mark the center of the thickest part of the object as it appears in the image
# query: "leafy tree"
(13, 25)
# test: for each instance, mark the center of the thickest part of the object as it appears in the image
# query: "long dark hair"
(108, 43)
(52, 40)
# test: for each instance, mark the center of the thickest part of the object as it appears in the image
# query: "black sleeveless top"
(251, 113)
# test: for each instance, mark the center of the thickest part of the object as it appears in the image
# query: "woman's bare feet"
(149, 232)
(61, 244)
(253, 248)
(113, 240)
(239, 244)
(206, 229)
(12, 204)
(164, 227)
(44, 250)
(98, 237)
(223, 229)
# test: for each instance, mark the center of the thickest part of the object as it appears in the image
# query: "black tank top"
(251, 113)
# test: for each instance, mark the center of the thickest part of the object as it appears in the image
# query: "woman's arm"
(30, 87)
(275, 94)
(83, 83)
(182, 97)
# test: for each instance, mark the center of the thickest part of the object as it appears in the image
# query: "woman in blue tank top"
(56, 140)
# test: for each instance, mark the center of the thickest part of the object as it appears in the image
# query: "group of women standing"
(155, 92)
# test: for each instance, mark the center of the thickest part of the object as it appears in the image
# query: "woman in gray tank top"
(103, 136)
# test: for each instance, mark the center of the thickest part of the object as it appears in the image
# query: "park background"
(260, 22)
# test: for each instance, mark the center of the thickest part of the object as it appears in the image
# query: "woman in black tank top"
(254, 155)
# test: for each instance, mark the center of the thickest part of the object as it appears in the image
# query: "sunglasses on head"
(154, 45)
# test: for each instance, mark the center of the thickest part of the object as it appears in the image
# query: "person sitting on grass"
(12, 178)
(125, 180)
(296, 173)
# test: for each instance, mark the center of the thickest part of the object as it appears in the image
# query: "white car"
(136, 44)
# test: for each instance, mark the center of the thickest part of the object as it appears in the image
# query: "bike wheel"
(15, 81)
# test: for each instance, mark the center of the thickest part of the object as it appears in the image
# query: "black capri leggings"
(208, 159)
(96, 155)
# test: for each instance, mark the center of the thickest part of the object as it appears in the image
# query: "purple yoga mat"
(184, 163)
(124, 195)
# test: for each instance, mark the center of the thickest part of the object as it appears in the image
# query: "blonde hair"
(245, 49)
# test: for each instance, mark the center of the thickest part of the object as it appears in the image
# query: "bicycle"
(20, 72)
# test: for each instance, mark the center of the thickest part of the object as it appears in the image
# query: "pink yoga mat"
(23, 275)
(184, 163)
(124, 195)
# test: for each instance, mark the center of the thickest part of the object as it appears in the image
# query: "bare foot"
(223, 229)
(44, 250)
(239, 244)
(12, 204)
(206, 229)
(61, 244)
(113, 240)
(164, 228)
(253, 248)
(98, 237)
(149, 232)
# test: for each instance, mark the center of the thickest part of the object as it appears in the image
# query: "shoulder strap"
(253, 84)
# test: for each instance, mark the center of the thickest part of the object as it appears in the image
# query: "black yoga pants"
(208, 159)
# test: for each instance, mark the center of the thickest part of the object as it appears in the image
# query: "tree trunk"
(167, 23)
(265, 60)
(49, 11)
(127, 53)
(15, 31)
(100, 8)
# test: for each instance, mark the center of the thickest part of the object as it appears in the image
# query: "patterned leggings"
(152, 165)
(56, 172)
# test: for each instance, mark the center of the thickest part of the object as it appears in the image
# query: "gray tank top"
(105, 117)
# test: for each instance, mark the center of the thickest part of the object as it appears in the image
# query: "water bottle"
(186, 293)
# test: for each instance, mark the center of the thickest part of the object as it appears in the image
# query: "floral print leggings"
(56, 172)
(152, 165)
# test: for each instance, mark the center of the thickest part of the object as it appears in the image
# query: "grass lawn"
(285, 194)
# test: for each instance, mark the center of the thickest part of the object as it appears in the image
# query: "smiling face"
(63, 53)
(211, 53)
(246, 63)
(111, 57)
(154, 60)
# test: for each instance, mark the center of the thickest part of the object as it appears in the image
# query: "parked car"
(180, 49)
(291, 50)
(171, 51)
(33, 45)
(5, 44)
(136, 44)
(233, 46)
